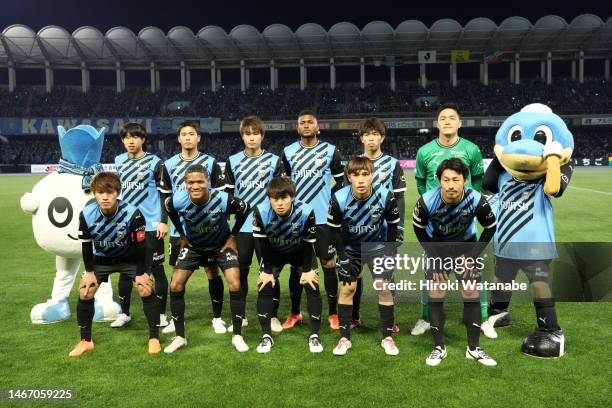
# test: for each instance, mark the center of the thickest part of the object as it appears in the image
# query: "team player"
(284, 231)
(311, 164)
(113, 238)
(246, 175)
(447, 214)
(359, 214)
(189, 137)
(200, 215)
(142, 182)
(388, 174)
(447, 145)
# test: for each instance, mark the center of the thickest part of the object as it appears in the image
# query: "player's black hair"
(455, 164)
(106, 182)
(191, 123)
(280, 187)
(196, 168)
(448, 105)
(371, 125)
(309, 112)
(357, 164)
(134, 129)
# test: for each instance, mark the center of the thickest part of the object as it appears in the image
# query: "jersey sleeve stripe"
(259, 235)
(490, 226)
(394, 221)
(418, 225)
(333, 225)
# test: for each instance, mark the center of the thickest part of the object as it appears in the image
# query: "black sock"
(436, 320)
(125, 292)
(150, 305)
(315, 307)
(276, 298)
(215, 288)
(331, 288)
(357, 299)
(161, 287)
(295, 291)
(237, 306)
(85, 314)
(546, 313)
(177, 307)
(345, 314)
(387, 319)
(472, 318)
(265, 306)
(244, 281)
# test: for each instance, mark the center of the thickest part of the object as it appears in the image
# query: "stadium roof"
(344, 41)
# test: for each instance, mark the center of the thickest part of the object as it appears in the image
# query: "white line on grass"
(591, 190)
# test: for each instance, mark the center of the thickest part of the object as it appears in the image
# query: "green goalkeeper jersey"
(433, 153)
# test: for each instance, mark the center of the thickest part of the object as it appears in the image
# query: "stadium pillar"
(512, 72)
(48, 77)
(213, 77)
(153, 77)
(302, 74)
(549, 68)
(276, 76)
(581, 67)
(484, 73)
(423, 70)
(183, 77)
(574, 69)
(392, 79)
(606, 69)
(219, 81)
(242, 75)
(119, 77)
(332, 74)
(247, 77)
(517, 68)
(12, 76)
(542, 70)
(362, 72)
(188, 79)
(272, 79)
(453, 74)
(85, 79)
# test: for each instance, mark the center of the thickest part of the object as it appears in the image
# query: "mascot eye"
(60, 212)
(515, 133)
(543, 134)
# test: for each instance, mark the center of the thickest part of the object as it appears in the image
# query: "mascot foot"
(50, 312)
(106, 311)
(543, 342)
(81, 348)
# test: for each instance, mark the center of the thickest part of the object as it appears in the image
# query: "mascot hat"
(81, 145)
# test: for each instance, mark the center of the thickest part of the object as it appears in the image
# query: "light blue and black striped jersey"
(362, 220)
(142, 180)
(387, 173)
(205, 225)
(112, 237)
(285, 235)
(311, 169)
(525, 228)
(445, 222)
(246, 177)
(175, 174)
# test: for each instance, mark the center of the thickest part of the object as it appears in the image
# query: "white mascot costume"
(55, 203)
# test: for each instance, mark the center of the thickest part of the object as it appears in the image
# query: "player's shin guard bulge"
(85, 313)
(295, 290)
(150, 305)
(265, 307)
(177, 307)
(387, 319)
(472, 318)
(345, 314)
(215, 289)
(161, 286)
(125, 292)
(315, 307)
(437, 319)
(331, 288)
(237, 306)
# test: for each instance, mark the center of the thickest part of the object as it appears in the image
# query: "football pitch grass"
(209, 372)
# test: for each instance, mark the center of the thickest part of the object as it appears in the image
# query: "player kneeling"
(357, 215)
(447, 214)
(284, 231)
(200, 216)
(113, 240)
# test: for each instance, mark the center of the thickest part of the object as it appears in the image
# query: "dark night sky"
(137, 14)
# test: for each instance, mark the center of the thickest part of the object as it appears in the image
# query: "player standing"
(447, 145)
(200, 215)
(112, 233)
(142, 181)
(246, 175)
(311, 164)
(447, 214)
(189, 137)
(359, 214)
(284, 231)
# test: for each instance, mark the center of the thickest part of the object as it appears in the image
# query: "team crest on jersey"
(142, 176)
(262, 173)
(121, 231)
(525, 195)
(382, 176)
(319, 162)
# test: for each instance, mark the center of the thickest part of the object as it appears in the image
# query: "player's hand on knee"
(88, 286)
(265, 278)
(144, 284)
(311, 278)
(162, 230)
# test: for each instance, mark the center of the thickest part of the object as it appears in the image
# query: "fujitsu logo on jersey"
(451, 229)
(252, 184)
(308, 173)
(205, 228)
(362, 229)
(131, 185)
(514, 205)
(111, 244)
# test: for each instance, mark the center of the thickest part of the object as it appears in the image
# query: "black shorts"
(376, 264)
(279, 260)
(246, 248)
(103, 271)
(173, 250)
(448, 260)
(324, 247)
(155, 249)
(506, 269)
(191, 258)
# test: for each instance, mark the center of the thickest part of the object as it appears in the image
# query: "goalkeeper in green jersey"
(447, 145)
